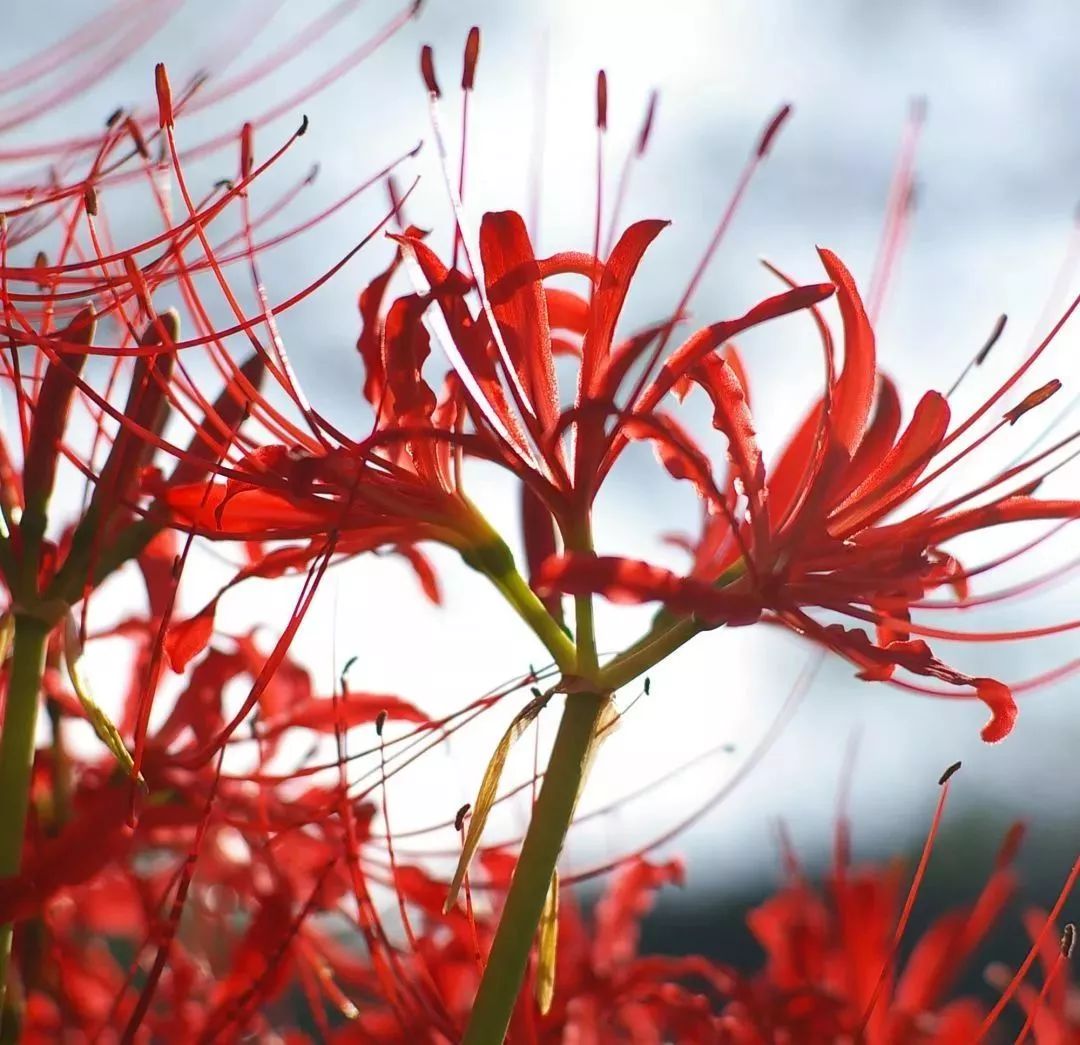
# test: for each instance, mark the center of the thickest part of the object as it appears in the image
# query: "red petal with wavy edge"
(610, 296)
(369, 343)
(156, 563)
(878, 662)
(897, 473)
(406, 346)
(731, 415)
(425, 572)
(97, 835)
(517, 298)
(471, 338)
(198, 707)
(939, 957)
(793, 473)
(633, 581)
(678, 453)
(289, 688)
(854, 391)
(187, 639)
(260, 966)
(1000, 513)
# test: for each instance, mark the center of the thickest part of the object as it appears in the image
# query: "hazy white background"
(998, 184)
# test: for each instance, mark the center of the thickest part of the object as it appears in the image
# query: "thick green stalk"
(17, 757)
(646, 654)
(551, 816)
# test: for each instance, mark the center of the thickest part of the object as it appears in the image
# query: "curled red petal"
(854, 391)
(1003, 711)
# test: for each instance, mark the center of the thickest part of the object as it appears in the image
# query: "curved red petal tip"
(1003, 711)
(247, 156)
(601, 100)
(765, 143)
(164, 96)
(1036, 398)
(427, 70)
(472, 54)
(647, 124)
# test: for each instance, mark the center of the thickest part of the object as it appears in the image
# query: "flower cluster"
(195, 879)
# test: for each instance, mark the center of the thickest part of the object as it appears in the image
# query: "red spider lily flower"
(833, 970)
(501, 328)
(77, 284)
(820, 529)
(825, 954)
(512, 343)
(276, 846)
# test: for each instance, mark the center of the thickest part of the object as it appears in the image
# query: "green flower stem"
(554, 809)
(579, 539)
(648, 653)
(517, 592)
(17, 757)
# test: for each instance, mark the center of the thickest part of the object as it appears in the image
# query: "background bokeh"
(997, 187)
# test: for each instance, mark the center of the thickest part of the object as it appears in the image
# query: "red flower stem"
(17, 758)
(554, 809)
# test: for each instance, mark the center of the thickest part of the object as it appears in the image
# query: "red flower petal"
(855, 387)
(189, 638)
(610, 296)
(999, 699)
(517, 298)
(632, 581)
